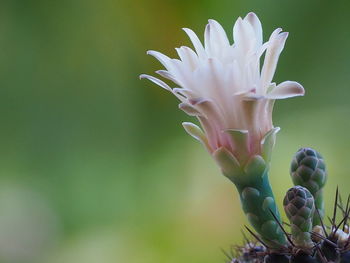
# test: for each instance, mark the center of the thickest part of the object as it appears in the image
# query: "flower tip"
(212, 21)
(187, 124)
(251, 15)
(298, 89)
(286, 89)
(150, 52)
(302, 91)
(142, 76)
(193, 130)
(284, 34)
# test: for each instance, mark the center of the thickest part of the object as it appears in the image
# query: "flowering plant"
(232, 96)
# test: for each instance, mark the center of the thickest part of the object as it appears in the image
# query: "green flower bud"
(308, 170)
(299, 207)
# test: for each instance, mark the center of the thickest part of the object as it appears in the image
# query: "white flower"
(225, 86)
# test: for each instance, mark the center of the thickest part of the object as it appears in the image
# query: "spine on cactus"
(308, 170)
(299, 207)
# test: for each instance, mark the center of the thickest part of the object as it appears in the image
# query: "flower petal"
(243, 35)
(156, 81)
(286, 89)
(256, 24)
(189, 94)
(240, 141)
(189, 109)
(227, 162)
(188, 57)
(165, 60)
(167, 75)
(197, 44)
(268, 142)
(274, 49)
(216, 40)
(196, 133)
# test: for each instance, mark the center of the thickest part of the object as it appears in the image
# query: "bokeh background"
(94, 163)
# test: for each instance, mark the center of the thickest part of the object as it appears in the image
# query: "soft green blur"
(94, 164)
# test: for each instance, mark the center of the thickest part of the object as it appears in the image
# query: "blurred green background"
(94, 163)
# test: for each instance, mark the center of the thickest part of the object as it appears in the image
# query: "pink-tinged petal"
(274, 49)
(256, 24)
(210, 131)
(206, 106)
(286, 89)
(213, 122)
(247, 95)
(156, 81)
(196, 43)
(240, 140)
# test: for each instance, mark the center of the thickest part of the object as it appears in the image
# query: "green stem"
(319, 205)
(257, 201)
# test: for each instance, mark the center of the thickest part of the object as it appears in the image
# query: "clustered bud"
(308, 170)
(299, 207)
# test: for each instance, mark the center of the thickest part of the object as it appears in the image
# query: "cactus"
(308, 242)
(308, 170)
(299, 207)
(232, 97)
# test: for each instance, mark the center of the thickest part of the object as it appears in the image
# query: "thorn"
(321, 255)
(323, 238)
(322, 224)
(347, 211)
(246, 240)
(256, 237)
(341, 222)
(335, 207)
(341, 208)
(232, 252)
(280, 225)
(329, 219)
(226, 254)
(341, 205)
